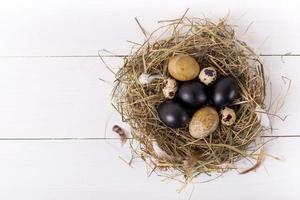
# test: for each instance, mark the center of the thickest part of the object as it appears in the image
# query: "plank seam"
(113, 138)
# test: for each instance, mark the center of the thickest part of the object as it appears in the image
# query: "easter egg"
(172, 114)
(228, 116)
(183, 67)
(204, 122)
(225, 91)
(192, 93)
(208, 75)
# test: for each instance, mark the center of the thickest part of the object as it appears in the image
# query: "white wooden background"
(50, 88)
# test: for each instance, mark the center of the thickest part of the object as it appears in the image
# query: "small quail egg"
(228, 116)
(183, 67)
(204, 122)
(208, 75)
(170, 88)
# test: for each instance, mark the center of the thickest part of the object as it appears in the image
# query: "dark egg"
(172, 114)
(225, 91)
(192, 93)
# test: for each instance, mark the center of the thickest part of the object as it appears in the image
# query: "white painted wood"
(59, 170)
(64, 27)
(54, 97)
(64, 98)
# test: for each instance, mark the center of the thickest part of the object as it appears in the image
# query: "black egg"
(172, 114)
(225, 91)
(192, 93)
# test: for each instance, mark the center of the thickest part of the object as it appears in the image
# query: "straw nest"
(169, 150)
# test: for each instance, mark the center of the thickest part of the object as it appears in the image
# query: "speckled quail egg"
(170, 88)
(183, 67)
(208, 75)
(204, 122)
(228, 116)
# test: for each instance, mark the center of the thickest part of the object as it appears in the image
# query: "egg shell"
(228, 116)
(225, 91)
(192, 93)
(170, 88)
(183, 67)
(204, 122)
(208, 75)
(172, 114)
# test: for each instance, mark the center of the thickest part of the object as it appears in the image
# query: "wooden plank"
(56, 98)
(92, 170)
(63, 97)
(61, 27)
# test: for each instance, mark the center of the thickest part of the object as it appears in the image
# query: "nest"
(169, 150)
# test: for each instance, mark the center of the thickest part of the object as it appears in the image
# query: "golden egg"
(183, 67)
(204, 122)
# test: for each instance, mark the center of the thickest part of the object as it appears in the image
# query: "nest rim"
(213, 44)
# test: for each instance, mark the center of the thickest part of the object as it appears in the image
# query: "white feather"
(145, 78)
(158, 151)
